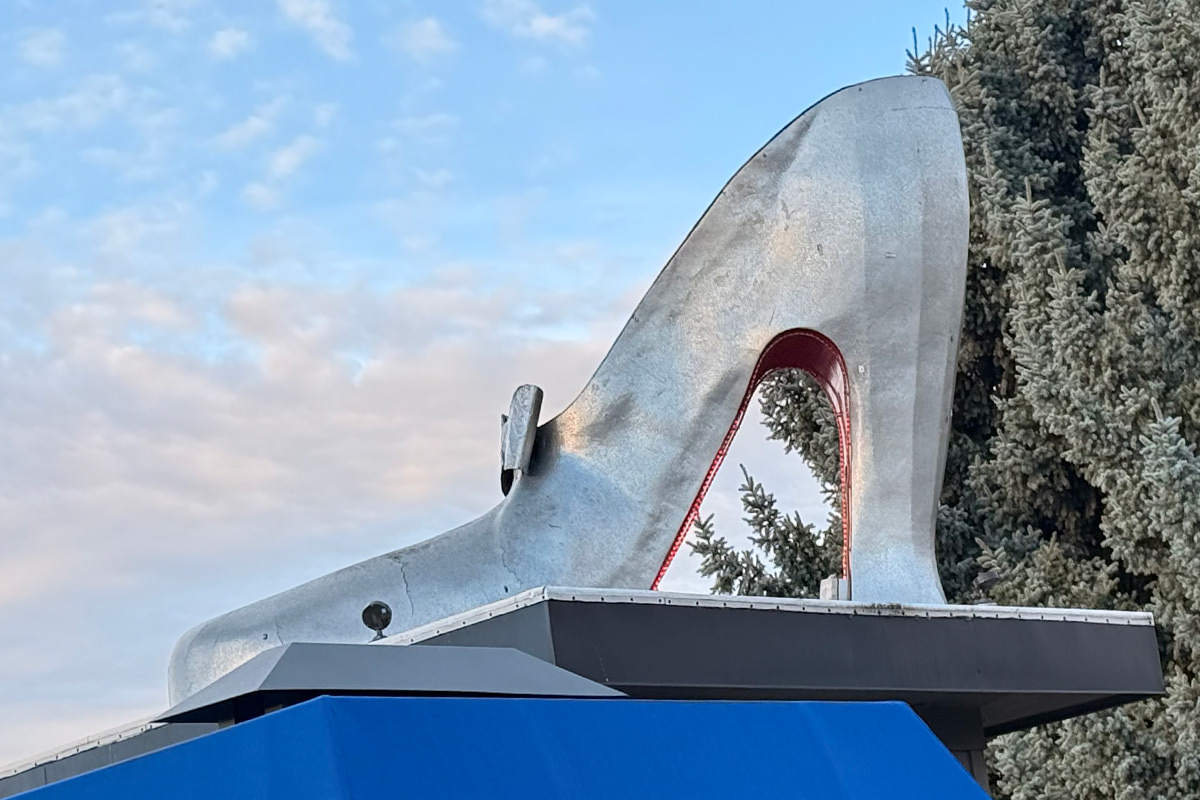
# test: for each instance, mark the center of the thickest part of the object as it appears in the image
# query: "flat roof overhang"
(1017, 667)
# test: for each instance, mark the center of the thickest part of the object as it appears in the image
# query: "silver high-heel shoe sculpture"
(840, 248)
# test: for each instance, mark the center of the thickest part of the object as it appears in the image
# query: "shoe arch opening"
(799, 348)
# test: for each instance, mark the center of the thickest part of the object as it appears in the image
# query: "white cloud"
(135, 56)
(167, 15)
(430, 127)
(228, 43)
(433, 179)
(290, 157)
(252, 128)
(261, 196)
(147, 154)
(425, 39)
(148, 128)
(317, 18)
(525, 19)
(96, 98)
(16, 160)
(183, 425)
(533, 65)
(324, 114)
(139, 303)
(309, 426)
(129, 229)
(42, 48)
(266, 194)
(188, 432)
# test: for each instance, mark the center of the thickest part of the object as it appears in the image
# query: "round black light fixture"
(377, 616)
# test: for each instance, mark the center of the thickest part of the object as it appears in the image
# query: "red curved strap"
(818, 356)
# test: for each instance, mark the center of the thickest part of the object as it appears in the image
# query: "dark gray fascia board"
(1018, 667)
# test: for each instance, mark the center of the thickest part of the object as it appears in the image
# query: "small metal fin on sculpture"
(517, 430)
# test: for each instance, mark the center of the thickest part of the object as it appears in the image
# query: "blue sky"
(272, 269)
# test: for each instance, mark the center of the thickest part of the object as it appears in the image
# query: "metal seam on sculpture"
(842, 419)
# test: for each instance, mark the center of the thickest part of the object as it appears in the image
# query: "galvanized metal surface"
(851, 222)
(518, 429)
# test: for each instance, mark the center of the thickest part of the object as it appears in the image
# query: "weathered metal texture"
(851, 222)
(518, 429)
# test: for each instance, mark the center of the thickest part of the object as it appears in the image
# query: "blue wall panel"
(368, 748)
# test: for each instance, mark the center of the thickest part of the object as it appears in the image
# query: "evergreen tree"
(1072, 471)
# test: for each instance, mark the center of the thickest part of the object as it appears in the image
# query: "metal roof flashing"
(801, 605)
